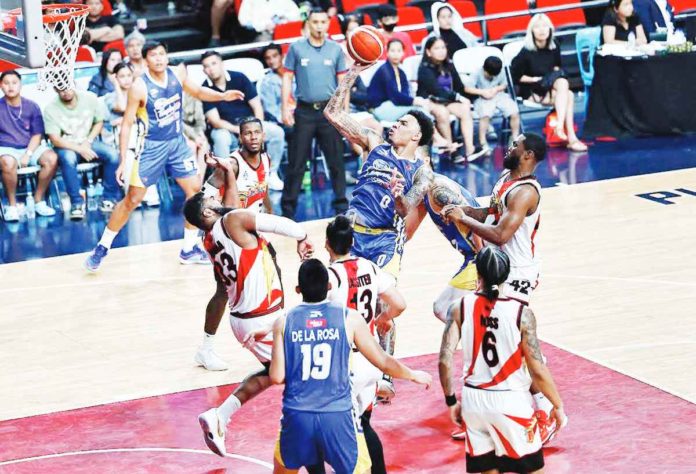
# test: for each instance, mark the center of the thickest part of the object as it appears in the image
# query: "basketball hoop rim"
(74, 10)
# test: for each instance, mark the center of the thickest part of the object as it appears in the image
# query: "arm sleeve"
(248, 89)
(280, 225)
(36, 126)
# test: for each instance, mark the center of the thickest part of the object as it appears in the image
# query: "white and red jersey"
(357, 283)
(250, 275)
(520, 248)
(492, 344)
(252, 182)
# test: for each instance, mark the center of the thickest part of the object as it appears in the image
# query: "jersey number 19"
(316, 361)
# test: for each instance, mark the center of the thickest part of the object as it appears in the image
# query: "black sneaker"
(77, 212)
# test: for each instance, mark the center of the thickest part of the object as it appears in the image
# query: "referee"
(317, 63)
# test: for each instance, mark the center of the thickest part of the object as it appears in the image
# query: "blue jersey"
(317, 353)
(372, 199)
(462, 242)
(161, 118)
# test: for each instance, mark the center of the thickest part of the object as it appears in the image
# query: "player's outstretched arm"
(422, 180)
(537, 368)
(204, 93)
(277, 371)
(450, 339)
(242, 226)
(520, 202)
(335, 112)
(367, 345)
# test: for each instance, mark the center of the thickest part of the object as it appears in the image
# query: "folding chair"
(586, 44)
(503, 27)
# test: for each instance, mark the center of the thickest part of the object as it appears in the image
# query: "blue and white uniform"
(318, 422)
(161, 144)
(379, 231)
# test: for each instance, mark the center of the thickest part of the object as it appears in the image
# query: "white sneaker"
(209, 360)
(11, 214)
(152, 198)
(44, 209)
(275, 183)
(213, 431)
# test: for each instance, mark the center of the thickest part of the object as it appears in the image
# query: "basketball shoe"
(95, 258)
(195, 256)
(213, 431)
(209, 359)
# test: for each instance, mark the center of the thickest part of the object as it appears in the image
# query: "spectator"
(316, 63)
(272, 83)
(74, 120)
(390, 96)
(490, 85)
(134, 43)
(115, 103)
(218, 12)
(263, 15)
(104, 80)
(449, 27)
(654, 14)
(537, 70)
(620, 22)
(101, 29)
(387, 19)
(224, 117)
(439, 81)
(194, 130)
(21, 131)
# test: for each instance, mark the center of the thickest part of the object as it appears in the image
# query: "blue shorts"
(382, 248)
(174, 156)
(309, 438)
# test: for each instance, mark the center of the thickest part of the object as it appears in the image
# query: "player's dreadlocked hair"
(493, 266)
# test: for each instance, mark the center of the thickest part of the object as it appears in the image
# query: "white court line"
(130, 450)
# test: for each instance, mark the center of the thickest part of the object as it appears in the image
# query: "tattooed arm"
(336, 113)
(541, 376)
(476, 213)
(423, 179)
(450, 339)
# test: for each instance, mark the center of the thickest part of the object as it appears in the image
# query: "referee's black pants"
(311, 123)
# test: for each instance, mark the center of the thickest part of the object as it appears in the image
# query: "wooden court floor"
(618, 287)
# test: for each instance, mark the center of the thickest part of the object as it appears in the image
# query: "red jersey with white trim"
(520, 248)
(250, 275)
(251, 182)
(357, 283)
(492, 344)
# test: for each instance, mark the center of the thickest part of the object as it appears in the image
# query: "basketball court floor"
(97, 372)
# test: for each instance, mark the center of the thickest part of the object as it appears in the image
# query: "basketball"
(365, 44)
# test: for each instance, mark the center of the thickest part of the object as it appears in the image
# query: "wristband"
(450, 400)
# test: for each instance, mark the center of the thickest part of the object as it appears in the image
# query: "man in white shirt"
(655, 14)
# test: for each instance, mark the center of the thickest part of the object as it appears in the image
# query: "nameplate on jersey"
(315, 334)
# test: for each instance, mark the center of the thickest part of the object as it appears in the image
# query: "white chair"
(369, 73)
(250, 67)
(410, 67)
(196, 74)
(468, 61)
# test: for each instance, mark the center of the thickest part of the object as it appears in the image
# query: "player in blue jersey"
(442, 192)
(155, 105)
(311, 355)
(392, 182)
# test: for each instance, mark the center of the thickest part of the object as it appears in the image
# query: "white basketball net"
(62, 39)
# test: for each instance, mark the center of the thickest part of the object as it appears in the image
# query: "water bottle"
(99, 192)
(307, 181)
(171, 8)
(30, 207)
(91, 201)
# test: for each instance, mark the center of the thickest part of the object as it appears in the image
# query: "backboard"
(22, 36)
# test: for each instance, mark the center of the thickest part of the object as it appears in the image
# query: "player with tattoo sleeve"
(392, 181)
(498, 338)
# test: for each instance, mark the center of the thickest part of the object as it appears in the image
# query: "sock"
(208, 341)
(542, 402)
(190, 239)
(107, 238)
(227, 409)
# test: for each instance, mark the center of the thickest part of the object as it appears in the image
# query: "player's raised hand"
(451, 212)
(305, 249)
(396, 183)
(384, 325)
(422, 378)
(232, 94)
(455, 412)
(218, 163)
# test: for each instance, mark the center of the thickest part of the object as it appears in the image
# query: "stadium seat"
(195, 73)
(413, 16)
(252, 68)
(683, 6)
(334, 26)
(118, 45)
(467, 9)
(564, 19)
(503, 27)
(349, 6)
(108, 9)
(291, 29)
(468, 61)
(410, 67)
(86, 54)
(586, 43)
(7, 66)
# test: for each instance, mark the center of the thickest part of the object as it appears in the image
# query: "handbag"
(548, 80)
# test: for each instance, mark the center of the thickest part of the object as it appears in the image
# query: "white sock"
(190, 239)
(107, 238)
(227, 409)
(208, 341)
(542, 402)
